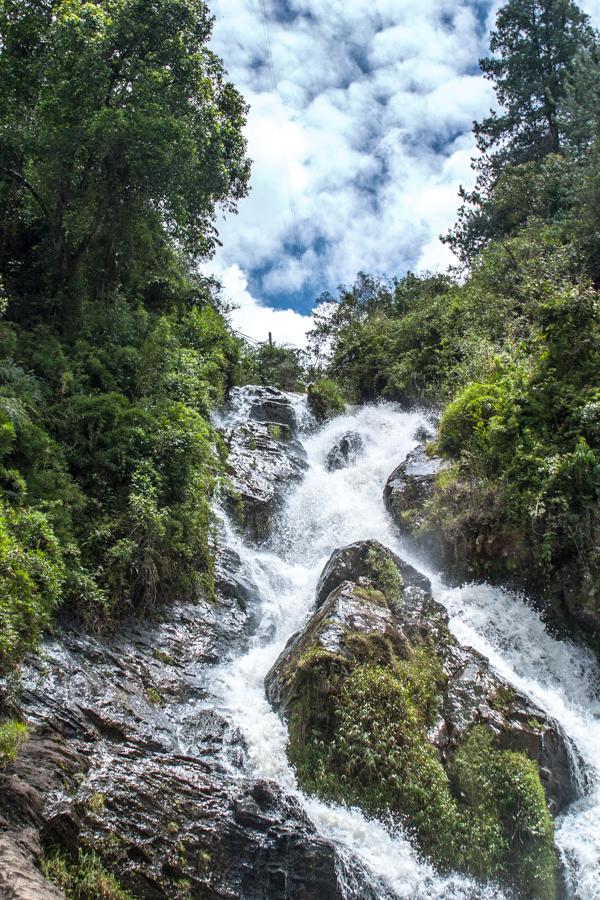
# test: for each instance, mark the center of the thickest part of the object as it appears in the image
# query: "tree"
(120, 138)
(535, 45)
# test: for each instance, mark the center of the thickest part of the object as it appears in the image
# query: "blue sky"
(358, 153)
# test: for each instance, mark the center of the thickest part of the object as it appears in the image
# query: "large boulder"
(267, 405)
(409, 487)
(388, 711)
(346, 450)
(263, 462)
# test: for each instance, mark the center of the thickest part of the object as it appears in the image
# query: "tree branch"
(20, 179)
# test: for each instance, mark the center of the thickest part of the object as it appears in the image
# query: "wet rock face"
(369, 629)
(129, 756)
(266, 405)
(345, 451)
(484, 551)
(20, 878)
(355, 561)
(264, 459)
(409, 487)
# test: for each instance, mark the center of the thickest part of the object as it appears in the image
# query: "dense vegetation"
(512, 347)
(120, 140)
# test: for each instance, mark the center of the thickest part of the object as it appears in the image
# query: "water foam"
(330, 510)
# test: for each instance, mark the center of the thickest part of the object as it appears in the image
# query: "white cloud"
(254, 320)
(365, 144)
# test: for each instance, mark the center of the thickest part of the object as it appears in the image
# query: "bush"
(83, 879)
(31, 578)
(12, 735)
(325, 400)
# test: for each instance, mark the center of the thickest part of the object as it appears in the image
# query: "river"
(330, 510)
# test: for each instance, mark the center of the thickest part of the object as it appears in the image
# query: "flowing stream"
(330, 510)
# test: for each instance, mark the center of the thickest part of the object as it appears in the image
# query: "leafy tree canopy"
(119, 134)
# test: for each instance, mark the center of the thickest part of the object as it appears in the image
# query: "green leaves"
(128, 129)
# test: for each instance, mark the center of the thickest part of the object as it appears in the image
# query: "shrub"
(12, 735)
(31, 577)
(83, 879)
(325, 399)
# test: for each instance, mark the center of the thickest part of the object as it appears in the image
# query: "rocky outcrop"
(20, 877)
(129, 757)
(358, 561)
(409, 487)
(264, 458)
(346, 450)
(386, 709)
(477, 543)
(270, 406)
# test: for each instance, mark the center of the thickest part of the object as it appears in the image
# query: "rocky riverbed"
(156, 745)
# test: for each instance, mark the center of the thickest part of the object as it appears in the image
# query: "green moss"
(12, 735)
(384, 573)
(276, 432)
(96, 802)
(506, 802)
(371, 594)
(154, 697)
(83, 879)
(358, 734)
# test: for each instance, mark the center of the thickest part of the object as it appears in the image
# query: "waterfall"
(330, 510)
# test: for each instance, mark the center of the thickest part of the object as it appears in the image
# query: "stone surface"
(348, 607)
(265, 405)
(262, 467)
(130, 755)
(20, 878)
(409, 487)
(353, 562)
(346, 450)
(486, 549)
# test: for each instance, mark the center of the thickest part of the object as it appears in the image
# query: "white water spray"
(330, 510)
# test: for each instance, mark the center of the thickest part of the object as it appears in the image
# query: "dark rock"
(264, 404)
(166, 822)
(487, 547)
(345, 451)
(356, 622)
(424, 433)
(129, 755)
(409, 487)
(20, 876)
(354, 562)
(262, 468)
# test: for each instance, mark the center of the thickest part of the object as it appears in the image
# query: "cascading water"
(330, 510)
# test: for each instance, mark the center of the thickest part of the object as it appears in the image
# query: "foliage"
(31, 576)
(325, 399)
(274, 365)
(119, 136)
(83, 879)
(359, 733)
(120, 142)
(535, 45)
(12, 735)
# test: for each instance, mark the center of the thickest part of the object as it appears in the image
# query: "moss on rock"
(361, 702)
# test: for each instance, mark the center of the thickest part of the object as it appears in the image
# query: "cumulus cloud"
(359, 153)
(254, 320)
